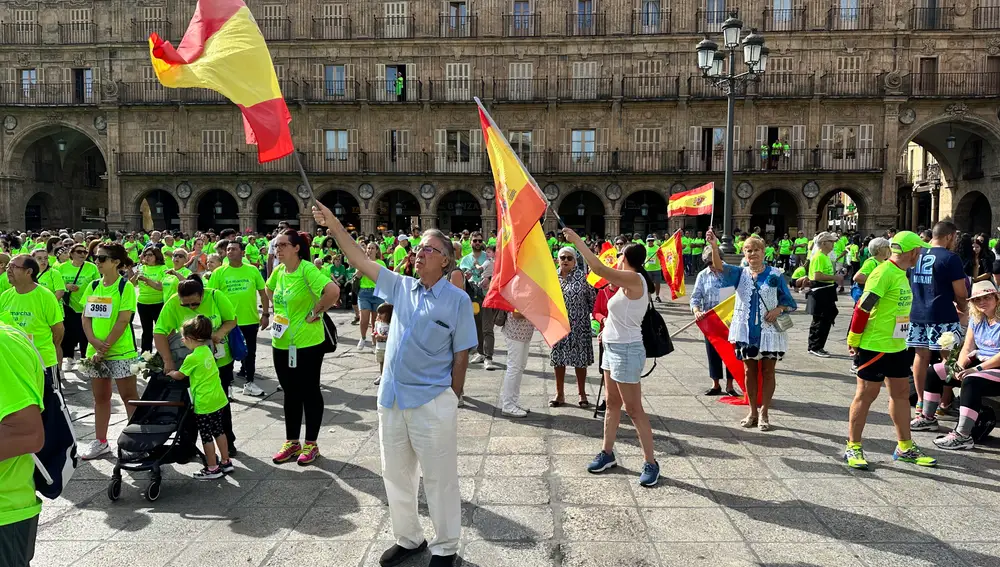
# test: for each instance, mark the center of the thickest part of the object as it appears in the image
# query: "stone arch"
(262, 205)
(50, 212)
(23, 140)
(253, 202)
(348, 199)
(434, 203)
(204, 204)
(384, 189)
(961, 119)
(565, 191)
(594, 211)
(629, 190)
(759, 205)
(147, 216)
(448, 218)
(328, 188)
(861, 198)
(200, 192)
(974, 213)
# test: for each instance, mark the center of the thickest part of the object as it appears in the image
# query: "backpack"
(57, 461)
(121, 294)
(985, 423)
(655, 336)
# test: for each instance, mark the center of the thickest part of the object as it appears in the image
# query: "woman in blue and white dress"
(762, 295)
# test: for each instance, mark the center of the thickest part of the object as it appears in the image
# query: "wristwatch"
(979, 368)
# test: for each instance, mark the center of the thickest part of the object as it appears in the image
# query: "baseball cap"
(403, 238)
(905, 240)
(650, 237)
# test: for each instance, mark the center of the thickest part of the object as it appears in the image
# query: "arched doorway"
(974, 214)
(218, 210)
(159, 211)
(775, 212)
(644, 212)
(458, 210)
(397, 211)
(584, 212)
(345, 206)
(274, 206)
(841, 210)
(41, 212)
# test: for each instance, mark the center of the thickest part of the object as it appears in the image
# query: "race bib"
(902, 328)
(278, 326)
(98, 308)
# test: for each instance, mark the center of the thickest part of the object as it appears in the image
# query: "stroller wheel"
(115, 489)
(153, 491)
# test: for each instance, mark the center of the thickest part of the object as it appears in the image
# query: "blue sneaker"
(602, 462)
(650, 474)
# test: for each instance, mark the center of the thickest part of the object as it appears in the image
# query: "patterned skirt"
(746, 351)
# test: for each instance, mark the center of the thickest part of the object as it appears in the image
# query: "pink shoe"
(289, 451)
(308, 454)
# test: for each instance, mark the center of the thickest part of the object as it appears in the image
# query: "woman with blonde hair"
(977, 372)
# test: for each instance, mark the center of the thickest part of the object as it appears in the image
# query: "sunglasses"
(478, 241)
(101, 258)
(192, 305)
(567, 258)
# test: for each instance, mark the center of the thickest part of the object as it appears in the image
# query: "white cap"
(403, 238)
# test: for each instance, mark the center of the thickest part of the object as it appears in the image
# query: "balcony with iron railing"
(329, 91)
(814, 159)
(331, 28)
(841, 18)
(77, 33)
(23, 93)
(395, 27)
(455, 90)
(932, 18)
(783, 85)
(275, 29)
(458, 26)
(784, 20)
(520, 90)
(702, 88)
(390, 91)
(710, 21)
(986, 18)
(585, 24)
(522, 25)
(152, 92)
(141, 29)
(853, 85)
(597, 88)
(651, 22)
(21, 34)
(945, 85)
(650, 88)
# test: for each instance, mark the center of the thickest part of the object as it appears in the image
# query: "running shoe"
(227, 467)
(309, 454)
(954, 441)
(289, 451)
(921, 423)
(855, 457)
(650, 474)
(209, 474)
(602, 462)
(515, 411)
(251, 389)
(489, 365)
(94, 449)
(914, 455)
(378, 380)
(477, 358)
(820, 353)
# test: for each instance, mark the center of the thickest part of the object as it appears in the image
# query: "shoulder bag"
(329, 344)
(784, 321)
(655, 336)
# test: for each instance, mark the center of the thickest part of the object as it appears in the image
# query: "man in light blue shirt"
(427, 355)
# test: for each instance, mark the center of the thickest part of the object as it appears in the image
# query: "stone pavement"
(727, 496)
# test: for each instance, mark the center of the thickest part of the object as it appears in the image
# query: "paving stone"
(297, 553)
(905, 555)
(818, 554)
(516, 523)
(604, 554)
(339, 523)
(506, 554)
(513, 490)
(595, 490)
(603, 524)
(116, 553)
(778, 524)
(677, 525)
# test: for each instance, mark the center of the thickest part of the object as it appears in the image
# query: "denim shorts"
(624, 361)
(367, 300)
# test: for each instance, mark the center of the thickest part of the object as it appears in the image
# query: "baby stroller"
(162, 431)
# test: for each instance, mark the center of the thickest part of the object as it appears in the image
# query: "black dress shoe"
(398, 554)
(442, 560)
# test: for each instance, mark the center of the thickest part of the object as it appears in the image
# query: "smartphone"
(293, 358)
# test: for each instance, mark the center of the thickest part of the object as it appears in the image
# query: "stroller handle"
(155, 403)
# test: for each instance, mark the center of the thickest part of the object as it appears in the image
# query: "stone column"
(612, 226)
(189, 222)
(428, 221)
(307, 223)
(807, 227)
(368, 221)
(741, 222)
(11, 204)
(133, 221)
(935, 204)
(489, 224)
(915, 200)
(248, 221)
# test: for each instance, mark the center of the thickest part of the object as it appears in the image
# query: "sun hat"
(825, 237)
(905, 240)
(982, 288)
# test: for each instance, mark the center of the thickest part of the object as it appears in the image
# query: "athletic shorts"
(210, 425)
(877, 366)
(926, 335)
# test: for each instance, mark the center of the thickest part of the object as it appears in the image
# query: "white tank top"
(624, 322)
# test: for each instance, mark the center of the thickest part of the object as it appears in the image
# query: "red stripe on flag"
(690, 211)
(209, 17)
(268, 129)
(717, 333)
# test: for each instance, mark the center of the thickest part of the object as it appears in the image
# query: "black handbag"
(655, 336)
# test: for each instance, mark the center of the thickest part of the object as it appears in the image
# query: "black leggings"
(147, 317)
(301, 389)
(973, 389)
(226, 376)
(74, 339)
(249, 365)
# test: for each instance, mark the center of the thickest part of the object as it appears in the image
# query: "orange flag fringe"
(672, 264)
(608, 257)
(697, 201)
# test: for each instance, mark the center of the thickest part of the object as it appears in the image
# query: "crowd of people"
(74, 297)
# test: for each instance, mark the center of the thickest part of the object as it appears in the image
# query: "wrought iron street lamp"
(218, 207)
(338, 209)
(711, 62)
(158, 207)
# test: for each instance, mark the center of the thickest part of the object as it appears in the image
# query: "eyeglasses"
(81, 252)
(19, 267)
(428, 249)
(192, 305)
(567, 258)
(282, 244)
(101, 258)
(478, 241)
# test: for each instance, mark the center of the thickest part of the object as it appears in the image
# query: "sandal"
(716, 391)
(764, 425)
(584, 402)
(556, 403)
(749, 421)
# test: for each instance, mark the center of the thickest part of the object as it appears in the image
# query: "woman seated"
(980, 361)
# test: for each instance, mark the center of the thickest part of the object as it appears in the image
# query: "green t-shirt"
(820, 263)
(240, 285)
(214, 305)
(366, 282)
(87, 273)
(167, 251)
(852, 250)
(34, 313)
(398, 255)
(148, 295)
(203, 375)
(785, 247)
(839, 246)
(801, 244)
(799, 272)
(124, 347)
(892, 311)
(492, 241)
(4, 283)
(685, 245)
(133, 249)
(993, 243)
(868, 267)
(466, 247)
(697, 245)
(52, 280)
(652, 261)
(170, 284)
(21, 386)
(253, 254)
(769, 253)
(338, 273)
(294, 295)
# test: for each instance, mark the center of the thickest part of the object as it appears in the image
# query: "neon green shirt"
(891, 315)
(87, 273)
(253, 254)
(868, 267)
(294, 295)
(132, 249)
(820, 263)
(652, 261)
(124, 347)
(34, 313)
(366, 282)
(148, 295)
(801, 245)
(241, 285)
(799, 272)
(685, 245)
(203, 375)
(785, 247)
(398, 255)
(697, 245)
(214, 305)
(21, 386)
(466, 247)
(52, 280)
(769, 253)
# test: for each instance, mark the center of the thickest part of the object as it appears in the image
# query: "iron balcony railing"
(331, 28)
(275, 29)
(585, 24)
(702, 88)
(77, 33)
(849, 18)
(710, 21)
(597, 88)
(389, 90)
(455, 90)
(395, 27)
(141, 29)
(24, 93)
(152, 92)
(458, 26)
(522, 25)
(967, 85)
(21, 34)
(856, 85)
(784, 20)
(329, 91)
(650, 22)
(932, 18)
(986, 18)
(783, 85)
(520, 90)
(793, 160)
(650, 88)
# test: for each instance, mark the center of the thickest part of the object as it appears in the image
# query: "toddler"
(207, 395)
(383, 316)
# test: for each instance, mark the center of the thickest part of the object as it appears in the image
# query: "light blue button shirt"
(428, 327)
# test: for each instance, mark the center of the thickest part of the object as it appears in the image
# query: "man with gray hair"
(426, 358)
(708, 292)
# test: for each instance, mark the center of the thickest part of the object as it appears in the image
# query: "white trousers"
(424, 436)
(517, 359)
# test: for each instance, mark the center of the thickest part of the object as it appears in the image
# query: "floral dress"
(577, 349)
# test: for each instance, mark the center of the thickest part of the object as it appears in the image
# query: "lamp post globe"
(706, 49)
(732, 28)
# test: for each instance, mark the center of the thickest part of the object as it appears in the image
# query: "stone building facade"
(601, 98)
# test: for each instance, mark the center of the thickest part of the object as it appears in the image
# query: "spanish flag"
(672, 263)
(223, 50)
(697, 201)
(608, 257)
(715, 326)
(523, 277)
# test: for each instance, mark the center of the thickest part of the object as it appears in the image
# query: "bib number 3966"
(278, 326)
(98, 308)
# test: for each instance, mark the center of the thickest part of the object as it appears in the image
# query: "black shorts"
(886, 365)
(210, 425)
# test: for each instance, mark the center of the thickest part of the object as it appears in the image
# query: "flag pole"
(302, 172)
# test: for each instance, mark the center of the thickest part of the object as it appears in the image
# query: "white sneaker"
(378, 380)
(361, 344)
(67, 364)
(94, 449)
(461, 401)
(477, 358)
(488, 365)
(515, 412)
(251, 389)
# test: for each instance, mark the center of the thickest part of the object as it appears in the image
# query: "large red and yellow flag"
(608, 257)
(223, 50)
(672, 264)
(715, 326)
(523, 277)
(697, 201)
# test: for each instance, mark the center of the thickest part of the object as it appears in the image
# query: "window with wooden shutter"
(583, 145)
(798, 147)
(79, 16)
(848, 72)
(584, 80)
(25, 26)
(647, 139)
(457, 81)
(520, 142)
(154, 142)
(25, 16)
(866, 146)
(335, 145)
(521, 84)
(334, 81)
(152, 14)
(213, 141)
(647, 74)
(395, 21)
